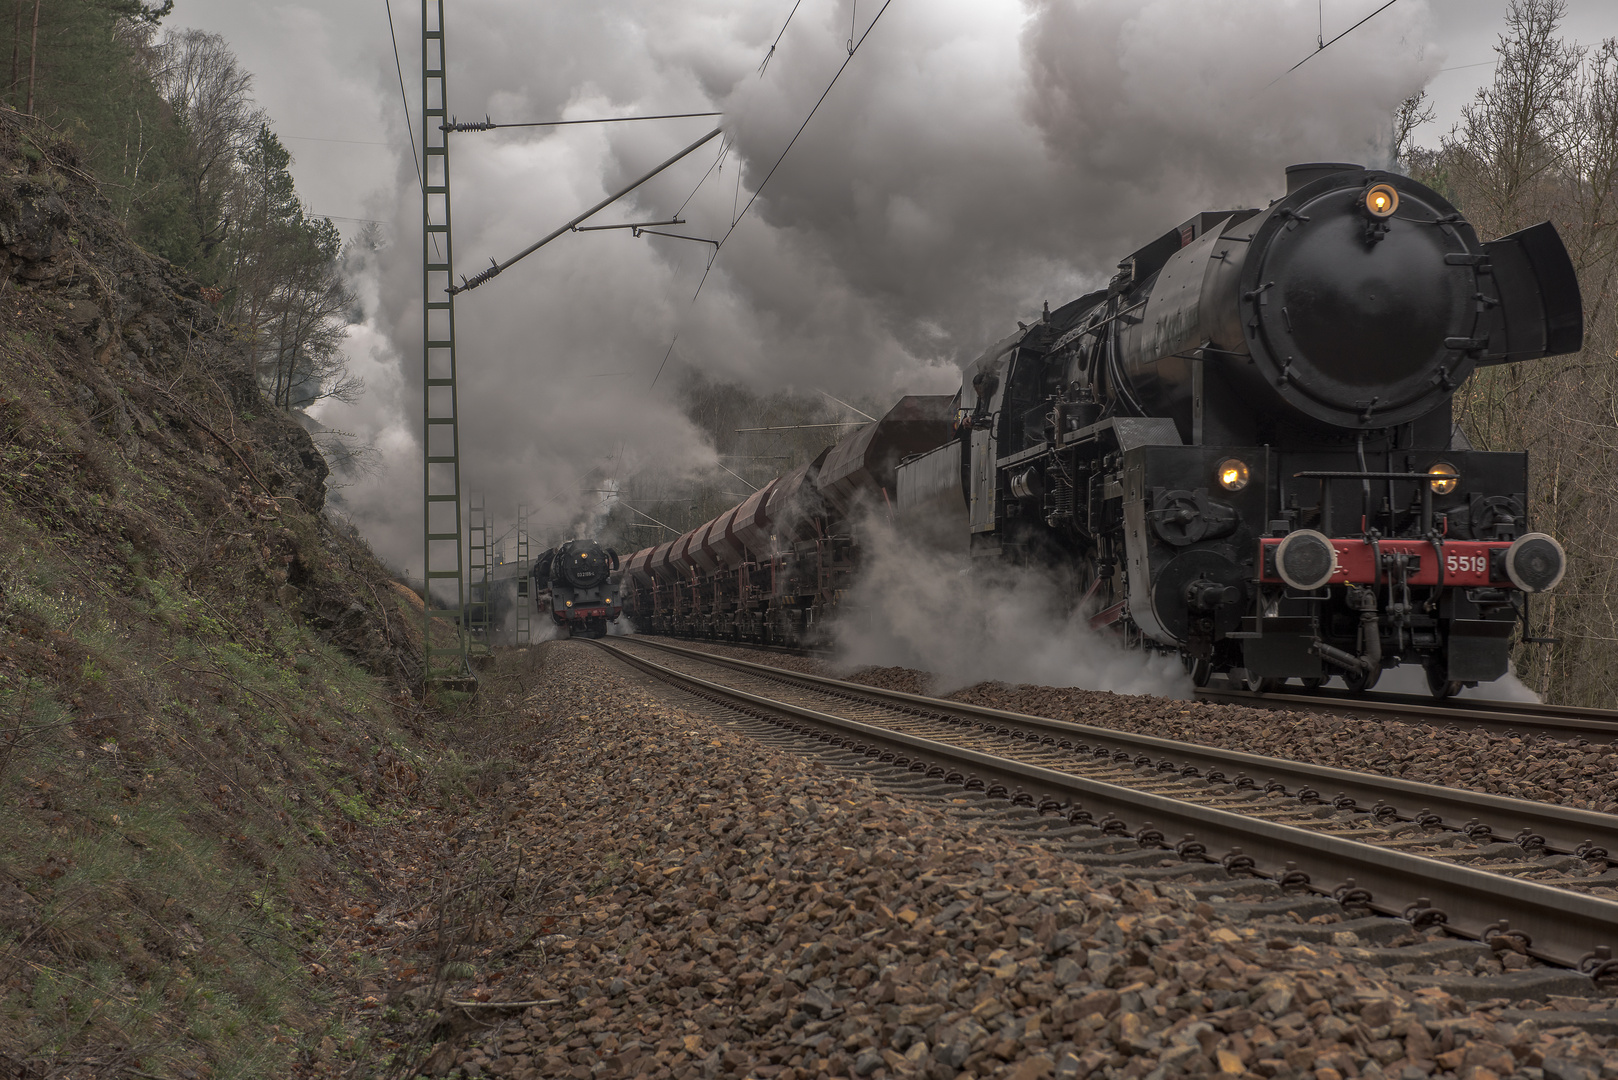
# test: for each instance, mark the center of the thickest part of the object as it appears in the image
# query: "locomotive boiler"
(1242, 448)
(1242, 451)
(574, 583)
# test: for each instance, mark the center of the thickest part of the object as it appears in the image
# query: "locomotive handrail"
(1327, 474)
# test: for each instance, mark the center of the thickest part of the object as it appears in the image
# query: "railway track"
(1522, 718)
(1529, 719)
(1517, 874)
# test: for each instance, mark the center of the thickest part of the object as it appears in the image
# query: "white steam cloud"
(1410, 679)
(918, 608)
(977, 158)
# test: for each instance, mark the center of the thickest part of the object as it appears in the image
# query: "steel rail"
(1488, 714)
(1565, 928)
(1500, 717)
(1563, 829)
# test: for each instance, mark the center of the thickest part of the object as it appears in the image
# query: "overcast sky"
(977, 158)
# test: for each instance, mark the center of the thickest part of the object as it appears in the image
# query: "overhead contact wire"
(736, 219)
(723, 146)
(404, 97)
(1323, 46)
(818, 102)
(778, 38)
(490, 125)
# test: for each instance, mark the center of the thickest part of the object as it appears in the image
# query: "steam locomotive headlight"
(1381, 200)
(1446, 485)
(1233, 474)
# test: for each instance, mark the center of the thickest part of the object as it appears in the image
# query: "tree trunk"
(16, 52)
(33, 53)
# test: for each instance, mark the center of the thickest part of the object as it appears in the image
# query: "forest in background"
(1540, 142)
(169, 133)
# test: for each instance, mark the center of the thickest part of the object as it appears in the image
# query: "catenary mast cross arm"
(498, 268)
(489, 125)
(637, 225)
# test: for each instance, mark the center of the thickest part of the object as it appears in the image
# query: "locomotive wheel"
(1259, 684)
(1312, 684)
(1359, 682)
(1200, 671)
(1440, 686)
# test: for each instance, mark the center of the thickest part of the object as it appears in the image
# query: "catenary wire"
(670, 351)
(737, 219)
(351, 142)
(818, 102)
(778, 37)
(1326, 45)
(490, 125)
(404, 97)
(722, 148)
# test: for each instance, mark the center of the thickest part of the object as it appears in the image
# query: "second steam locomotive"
(1242, 450)
(573, 584)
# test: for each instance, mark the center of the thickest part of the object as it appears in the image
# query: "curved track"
(1396, 847)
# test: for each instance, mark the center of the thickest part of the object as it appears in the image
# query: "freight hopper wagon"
(774, 568)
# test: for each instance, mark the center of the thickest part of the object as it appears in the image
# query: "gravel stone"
(717, 908)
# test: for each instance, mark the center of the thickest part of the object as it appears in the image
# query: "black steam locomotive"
(1241, 450)
(574, 584)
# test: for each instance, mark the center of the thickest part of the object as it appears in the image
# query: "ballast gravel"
(729, 910)
(1543, 770)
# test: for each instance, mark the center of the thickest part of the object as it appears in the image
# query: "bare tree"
(1541, 142)
(211, 97)
(1511, 136)
(1412, 113)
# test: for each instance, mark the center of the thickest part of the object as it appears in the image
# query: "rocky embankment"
(200, 672)
(716, 908)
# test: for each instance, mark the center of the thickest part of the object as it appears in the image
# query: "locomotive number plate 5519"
(1465, 562)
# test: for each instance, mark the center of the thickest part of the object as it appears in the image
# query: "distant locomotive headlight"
(1535, 563)
(1233, 474)
(1445, 486)
(1381, 200)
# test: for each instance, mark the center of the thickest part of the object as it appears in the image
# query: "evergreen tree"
(168, 128)
(287, 290)
(77, 65)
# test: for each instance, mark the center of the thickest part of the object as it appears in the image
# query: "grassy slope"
(199, 675)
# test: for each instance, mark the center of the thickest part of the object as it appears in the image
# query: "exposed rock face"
(116, 363)
(136, 325)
